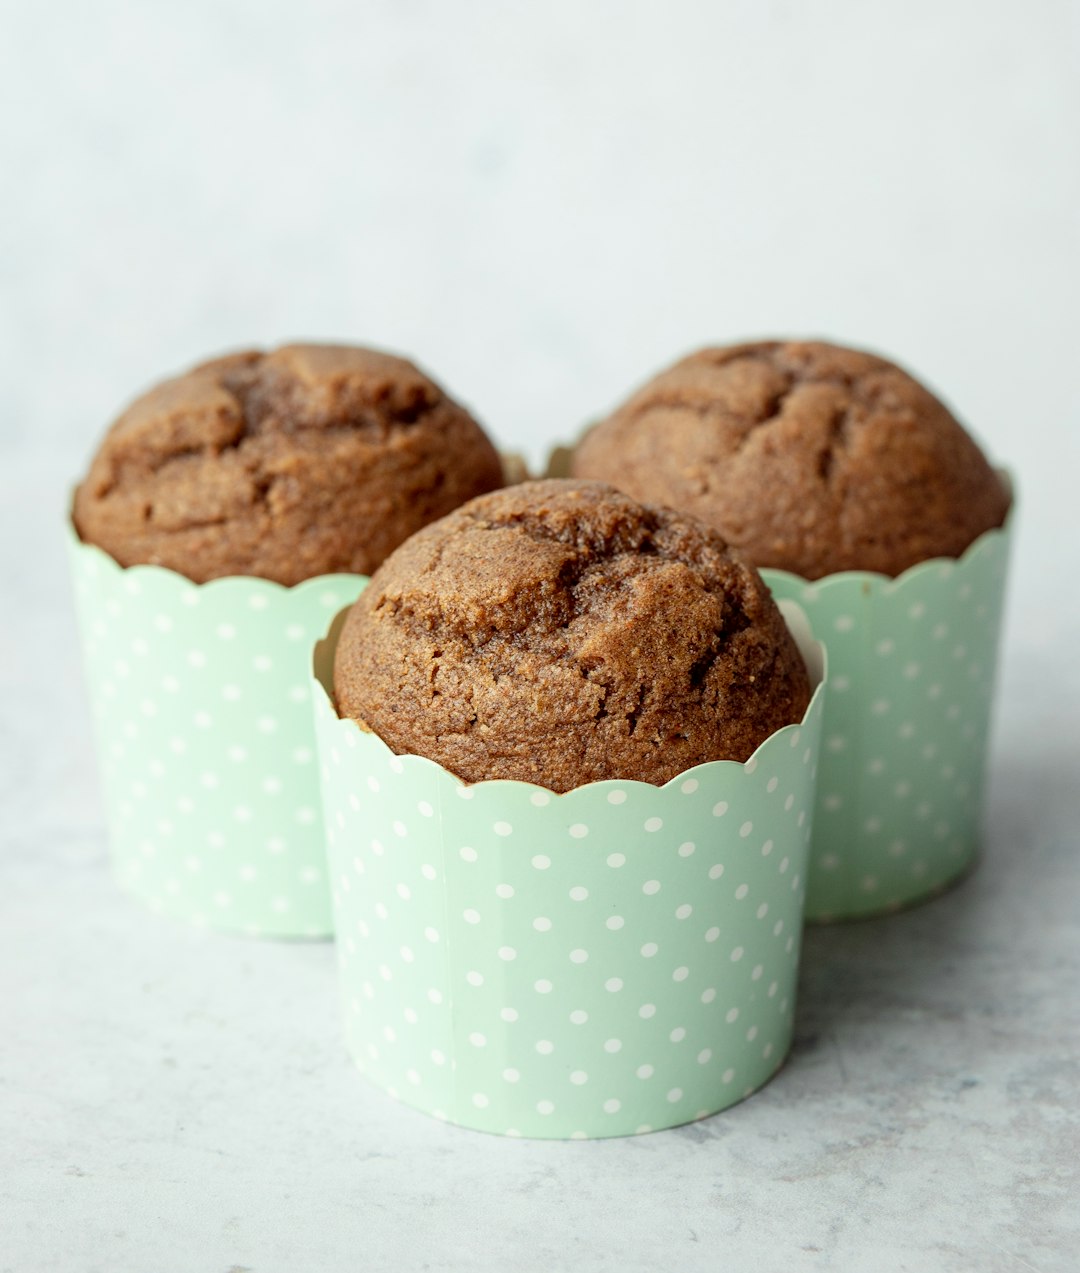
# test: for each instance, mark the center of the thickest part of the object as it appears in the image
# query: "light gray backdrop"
(543, 204)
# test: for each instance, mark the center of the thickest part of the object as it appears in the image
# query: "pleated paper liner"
(912, 665)
(617, 959)
(201, 700)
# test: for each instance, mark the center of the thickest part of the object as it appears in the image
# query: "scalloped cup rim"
(324, 648)
(222, 583)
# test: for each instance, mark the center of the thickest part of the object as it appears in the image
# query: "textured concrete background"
(543, 204)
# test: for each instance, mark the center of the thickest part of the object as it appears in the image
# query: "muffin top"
(805, 456)
(309, 460)
(560, 633)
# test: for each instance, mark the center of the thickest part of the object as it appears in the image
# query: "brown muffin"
(805, 456)
(558, 632)
(309, 460)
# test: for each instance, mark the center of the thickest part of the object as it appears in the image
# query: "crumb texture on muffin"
(558, 632)
(806, 456)
(309, 460)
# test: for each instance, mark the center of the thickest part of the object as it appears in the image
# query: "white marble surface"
(543, 208)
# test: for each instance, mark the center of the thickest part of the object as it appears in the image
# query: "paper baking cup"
(617, 959)
(201, 699)
(912, 665)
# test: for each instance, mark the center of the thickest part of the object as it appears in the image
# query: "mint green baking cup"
(614, 960)
(201, 700)
(912, 663)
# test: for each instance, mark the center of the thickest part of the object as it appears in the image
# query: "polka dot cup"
(911, 678)
(614, 960)
(201, 699)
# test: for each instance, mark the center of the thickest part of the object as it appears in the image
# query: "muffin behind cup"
(571, 905)
(226, 514)
(859, 495)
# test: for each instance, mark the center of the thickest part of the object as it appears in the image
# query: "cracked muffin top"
(807, 457)
(310, 460)
(560, 633)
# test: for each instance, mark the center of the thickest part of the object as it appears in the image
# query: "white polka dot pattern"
(202, 704)
(555, 985)
(911, 679)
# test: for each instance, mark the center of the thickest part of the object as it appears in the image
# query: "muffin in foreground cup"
(558, 632)
(227, 513)
(612, 946)
(857, 493)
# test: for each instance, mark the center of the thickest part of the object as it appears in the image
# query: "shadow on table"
(921, 992)
(940, 959)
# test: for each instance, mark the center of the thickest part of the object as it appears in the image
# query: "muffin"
(309, 460)
(560, 633)
(303, 467)
(807, 457)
